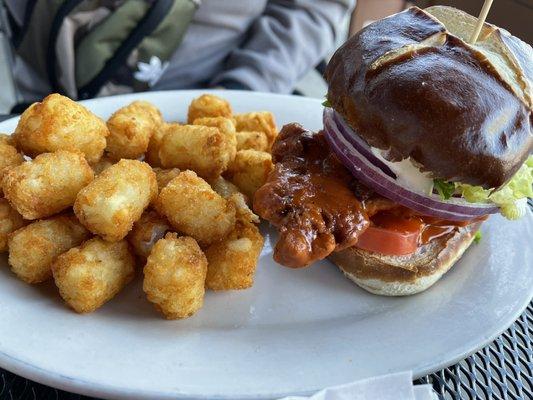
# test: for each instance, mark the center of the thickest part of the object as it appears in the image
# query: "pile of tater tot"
(91, 204)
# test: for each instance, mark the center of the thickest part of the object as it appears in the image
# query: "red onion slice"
(356, 141)
(374, 177)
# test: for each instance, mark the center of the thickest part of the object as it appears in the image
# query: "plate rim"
(98, 389)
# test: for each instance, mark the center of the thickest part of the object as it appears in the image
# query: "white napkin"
(387, 387)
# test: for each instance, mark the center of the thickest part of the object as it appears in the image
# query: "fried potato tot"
(195, 209)
(7, 139)
(174, 276)
(33, 248)
(10, 221)
(224, 125)
(102, 164)
(58, 123)
(116, 199)
(130, 130)
(242, 210)
(208, 105)
(146, 232)
(164, 176)
(152, 154)
(231, 263)
(9, 158)
(223, 187)
(91, 274)
(205, 150)
(250, 170)
(261, 121)
(47, 184)
(252, 140)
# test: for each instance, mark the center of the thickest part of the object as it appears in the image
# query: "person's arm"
(285, 42)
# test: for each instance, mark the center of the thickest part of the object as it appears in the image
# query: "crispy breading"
(58, 123)
(47, 184)
(164, 176)
(224, 125)
(195, 209)
(147, 231)
(250, 170)
(10, 221)
(232, 261)
(130, 130)
(91, 274)
(203, 149)
(174, 276)
(254, 140)
(260, 121)
(208, 105)
(33, 248)
(117, 197)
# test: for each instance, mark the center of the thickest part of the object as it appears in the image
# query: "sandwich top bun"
(412, 85)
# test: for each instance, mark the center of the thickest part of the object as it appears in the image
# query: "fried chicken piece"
(309, 198)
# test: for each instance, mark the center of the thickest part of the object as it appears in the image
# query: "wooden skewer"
(481, 20)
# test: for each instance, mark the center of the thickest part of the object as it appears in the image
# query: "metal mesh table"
(501, 371)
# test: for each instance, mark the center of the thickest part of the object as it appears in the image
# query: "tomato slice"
(388, 241)
(391, 234)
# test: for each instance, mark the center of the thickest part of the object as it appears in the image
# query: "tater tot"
(208, 105)
(261, 121)
(33, 248)
(242, 211)
(252, 140)
(117, 197)
(47, 184)
(195, 209)
(203, 149)
(102, 164)
(146, 232)
(10, 221)
(164, 176)
(152, 154)
(223, 187)
(250, 170)
(232, 261)
(7, 139)
(174, 276)
(58, 123)
(131, 128)
(91, 274)
(224, 125)
(9, 158)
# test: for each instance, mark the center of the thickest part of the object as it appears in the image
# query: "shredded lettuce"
(443, 188)
(511, 198)
(326, 103)
(478, 236)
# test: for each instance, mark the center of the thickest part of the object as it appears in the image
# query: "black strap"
(18, 34)
(145, 27)
(51, 56)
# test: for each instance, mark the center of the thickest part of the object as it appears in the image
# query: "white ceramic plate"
(295, 331)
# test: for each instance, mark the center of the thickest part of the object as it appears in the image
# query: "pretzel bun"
(411, 84)
(405, 275)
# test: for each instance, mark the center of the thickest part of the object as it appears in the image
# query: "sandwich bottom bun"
(405, 275)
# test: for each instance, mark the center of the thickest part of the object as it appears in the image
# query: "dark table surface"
(501, 371)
